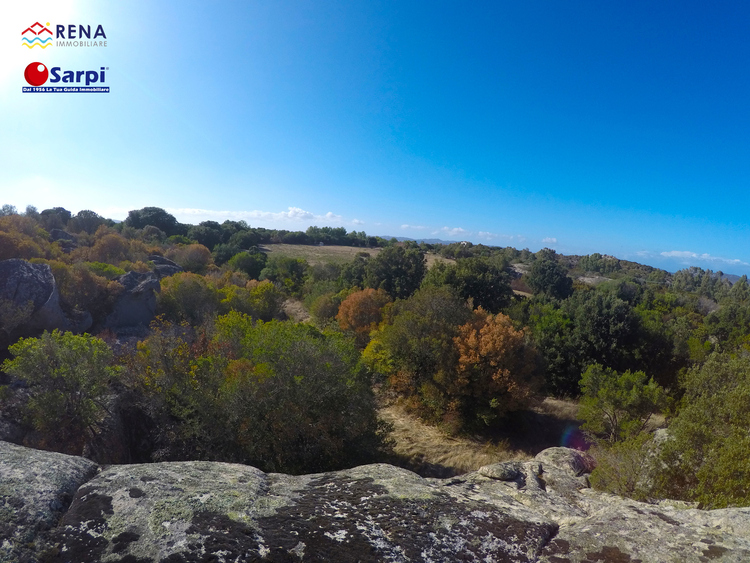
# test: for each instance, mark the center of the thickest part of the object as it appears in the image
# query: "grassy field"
(327, 254)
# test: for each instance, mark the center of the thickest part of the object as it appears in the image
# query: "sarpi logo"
(33, 36)
(70, 35)
(37, 74)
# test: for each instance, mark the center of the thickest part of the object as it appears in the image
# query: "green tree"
(87, 221)
(396, 270)
(549, 278)
(252, 263)
(483, 281)
(156, 216)
(707, 455)
(69, 378)
(617, 406)
(289, 272)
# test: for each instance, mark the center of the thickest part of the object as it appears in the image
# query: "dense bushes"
(280, 396)
(707, 455)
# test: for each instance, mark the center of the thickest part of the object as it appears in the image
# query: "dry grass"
(296, 311)
(431, 453)
(563, 409)
(328, 254)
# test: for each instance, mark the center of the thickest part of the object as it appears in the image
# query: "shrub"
(111, 248)
(69, 378)
(192, 257)
(267, 300)
(105, 270)
(188, 297)
(625, 468)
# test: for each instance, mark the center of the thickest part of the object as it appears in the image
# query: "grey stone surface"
(36, 488)
(163, 267)
(22, 282)
(539, 510)
(136, 305)
(59, 234)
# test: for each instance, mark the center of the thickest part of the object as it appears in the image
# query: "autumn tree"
(361, 312)
(498, 370)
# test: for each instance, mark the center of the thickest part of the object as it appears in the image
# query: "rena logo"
(38, 35)
(33, 36)
(36, 74)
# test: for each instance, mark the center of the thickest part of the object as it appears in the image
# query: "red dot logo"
(36, 74)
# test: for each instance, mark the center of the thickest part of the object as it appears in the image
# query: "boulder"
(56, 235)
(36, 489)
(29, 298)
(136, 305)
(538, 510)
(68, 242)
(164, 267)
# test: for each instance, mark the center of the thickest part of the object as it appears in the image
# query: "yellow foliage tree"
(497, 370)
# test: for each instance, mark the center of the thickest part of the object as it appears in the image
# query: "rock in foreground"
(199, 511)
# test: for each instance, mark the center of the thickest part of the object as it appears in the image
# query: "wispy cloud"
(487, 235)
(549, 240)
(687, 257)
(413, 227)
(357, 222)
(451, 231)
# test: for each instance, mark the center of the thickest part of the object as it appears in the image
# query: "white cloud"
(357, 222)
(416, 227)
(549, 240)
(452, 232)
(686, 256)
(487, 235)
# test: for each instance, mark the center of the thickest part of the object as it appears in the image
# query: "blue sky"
(612, 127)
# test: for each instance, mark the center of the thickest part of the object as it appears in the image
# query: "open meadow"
(331, 254)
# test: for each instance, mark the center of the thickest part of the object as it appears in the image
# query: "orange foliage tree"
(361, 312)
(498, 369)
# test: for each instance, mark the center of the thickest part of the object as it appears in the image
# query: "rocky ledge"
(57, 508)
